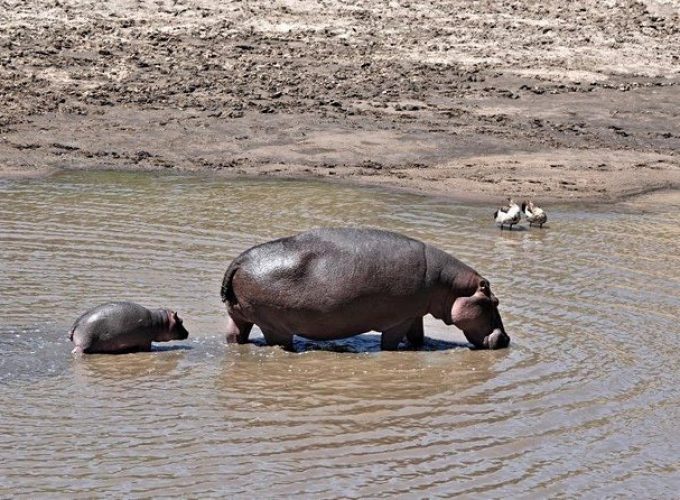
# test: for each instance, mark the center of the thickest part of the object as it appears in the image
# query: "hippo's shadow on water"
(364, 343)
(167, 348)
(154, 348)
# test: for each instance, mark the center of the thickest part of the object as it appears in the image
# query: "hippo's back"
(110, 319)
(326, 270)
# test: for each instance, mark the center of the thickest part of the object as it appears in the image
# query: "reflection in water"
(585, 400)
(100, 368)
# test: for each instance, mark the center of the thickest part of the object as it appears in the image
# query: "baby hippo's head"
(175, 329)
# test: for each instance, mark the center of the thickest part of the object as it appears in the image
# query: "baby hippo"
(121, 327)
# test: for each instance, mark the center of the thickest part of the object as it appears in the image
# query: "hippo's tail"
(70, 334)
(227, 291)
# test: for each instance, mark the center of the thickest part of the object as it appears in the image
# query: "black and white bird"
(534, 214)
(509, 215)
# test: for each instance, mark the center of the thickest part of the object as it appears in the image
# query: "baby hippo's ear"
(176, 318)
(484, 288)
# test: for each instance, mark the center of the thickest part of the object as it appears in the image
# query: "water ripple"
(584, 403)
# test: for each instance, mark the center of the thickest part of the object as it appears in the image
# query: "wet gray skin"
(330, 284)
(121, 327)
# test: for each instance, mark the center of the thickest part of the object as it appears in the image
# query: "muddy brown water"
(583, 403)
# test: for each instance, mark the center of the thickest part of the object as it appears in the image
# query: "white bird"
(534, 214)
(509, 215)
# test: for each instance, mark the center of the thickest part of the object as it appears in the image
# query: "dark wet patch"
(366, 343)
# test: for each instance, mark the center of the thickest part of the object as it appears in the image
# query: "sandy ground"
(555, 100)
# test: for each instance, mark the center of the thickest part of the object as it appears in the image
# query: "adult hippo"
(335, 283)
(124, 327)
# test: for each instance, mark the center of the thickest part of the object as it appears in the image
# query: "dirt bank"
(555, 100)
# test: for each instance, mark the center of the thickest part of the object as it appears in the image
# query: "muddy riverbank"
(558, 101)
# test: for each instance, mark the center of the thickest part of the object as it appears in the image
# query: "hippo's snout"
(178, 332)
(498, 339)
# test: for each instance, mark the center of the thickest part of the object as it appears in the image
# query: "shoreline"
(469, 198)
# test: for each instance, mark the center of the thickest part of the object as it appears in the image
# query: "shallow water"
(583, 403)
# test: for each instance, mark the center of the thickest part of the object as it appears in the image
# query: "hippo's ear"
(484, 288)
(176, 318)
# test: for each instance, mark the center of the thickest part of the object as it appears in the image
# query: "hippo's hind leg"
(412, 329)
(275, 337)
(83, 343)
(237, 330)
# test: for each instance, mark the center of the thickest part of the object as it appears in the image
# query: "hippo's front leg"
(416, 334)
(411, 329)
(237, 330)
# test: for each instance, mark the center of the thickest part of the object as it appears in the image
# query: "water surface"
(583, 403)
